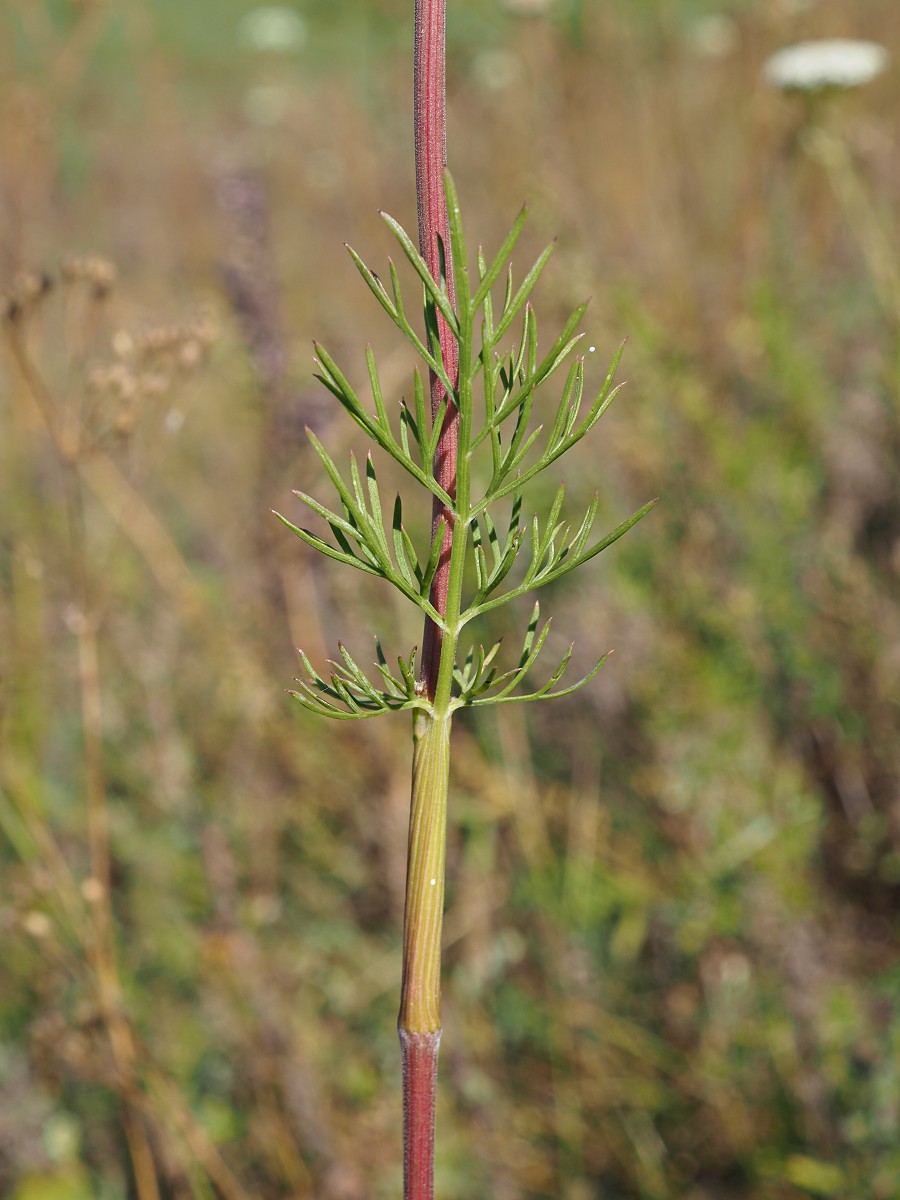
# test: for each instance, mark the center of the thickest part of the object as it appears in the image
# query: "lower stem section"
(419, 1053)
(420, 1005)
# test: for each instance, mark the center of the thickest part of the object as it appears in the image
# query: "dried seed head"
(205, 329)
(117, 379)
(70, 269)
(123, 344)
(156, 340)
(27, 291)
(190, 354)
(171, 350)
(154, 383)
(125, 423)
(103, 277)
(37, 924)
(91, 269)
(92, 890)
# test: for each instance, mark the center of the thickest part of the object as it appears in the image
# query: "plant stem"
(420, 1011)
(430, 121)
(420, 1007)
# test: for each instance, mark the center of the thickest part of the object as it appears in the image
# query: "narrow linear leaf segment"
(469, 348)
(372, 536)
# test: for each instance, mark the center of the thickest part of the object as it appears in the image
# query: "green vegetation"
(671, 935)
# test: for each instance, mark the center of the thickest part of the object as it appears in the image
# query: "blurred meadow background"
(671, 940)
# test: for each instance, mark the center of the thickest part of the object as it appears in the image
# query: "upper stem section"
(430, 119)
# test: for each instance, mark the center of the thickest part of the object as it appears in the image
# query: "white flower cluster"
(528, 8)
(273, 29)
(832, 63)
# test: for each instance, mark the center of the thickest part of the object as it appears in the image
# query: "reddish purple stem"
(430, 117)
(419, 1064)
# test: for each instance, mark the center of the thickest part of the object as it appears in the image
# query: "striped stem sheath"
(420, 1008)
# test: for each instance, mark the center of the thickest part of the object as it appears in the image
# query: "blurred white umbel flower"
(273, 29)
(528, 8)
(497, 69)
(833, 63)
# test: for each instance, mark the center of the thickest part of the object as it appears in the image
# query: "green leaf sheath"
(421, 995)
